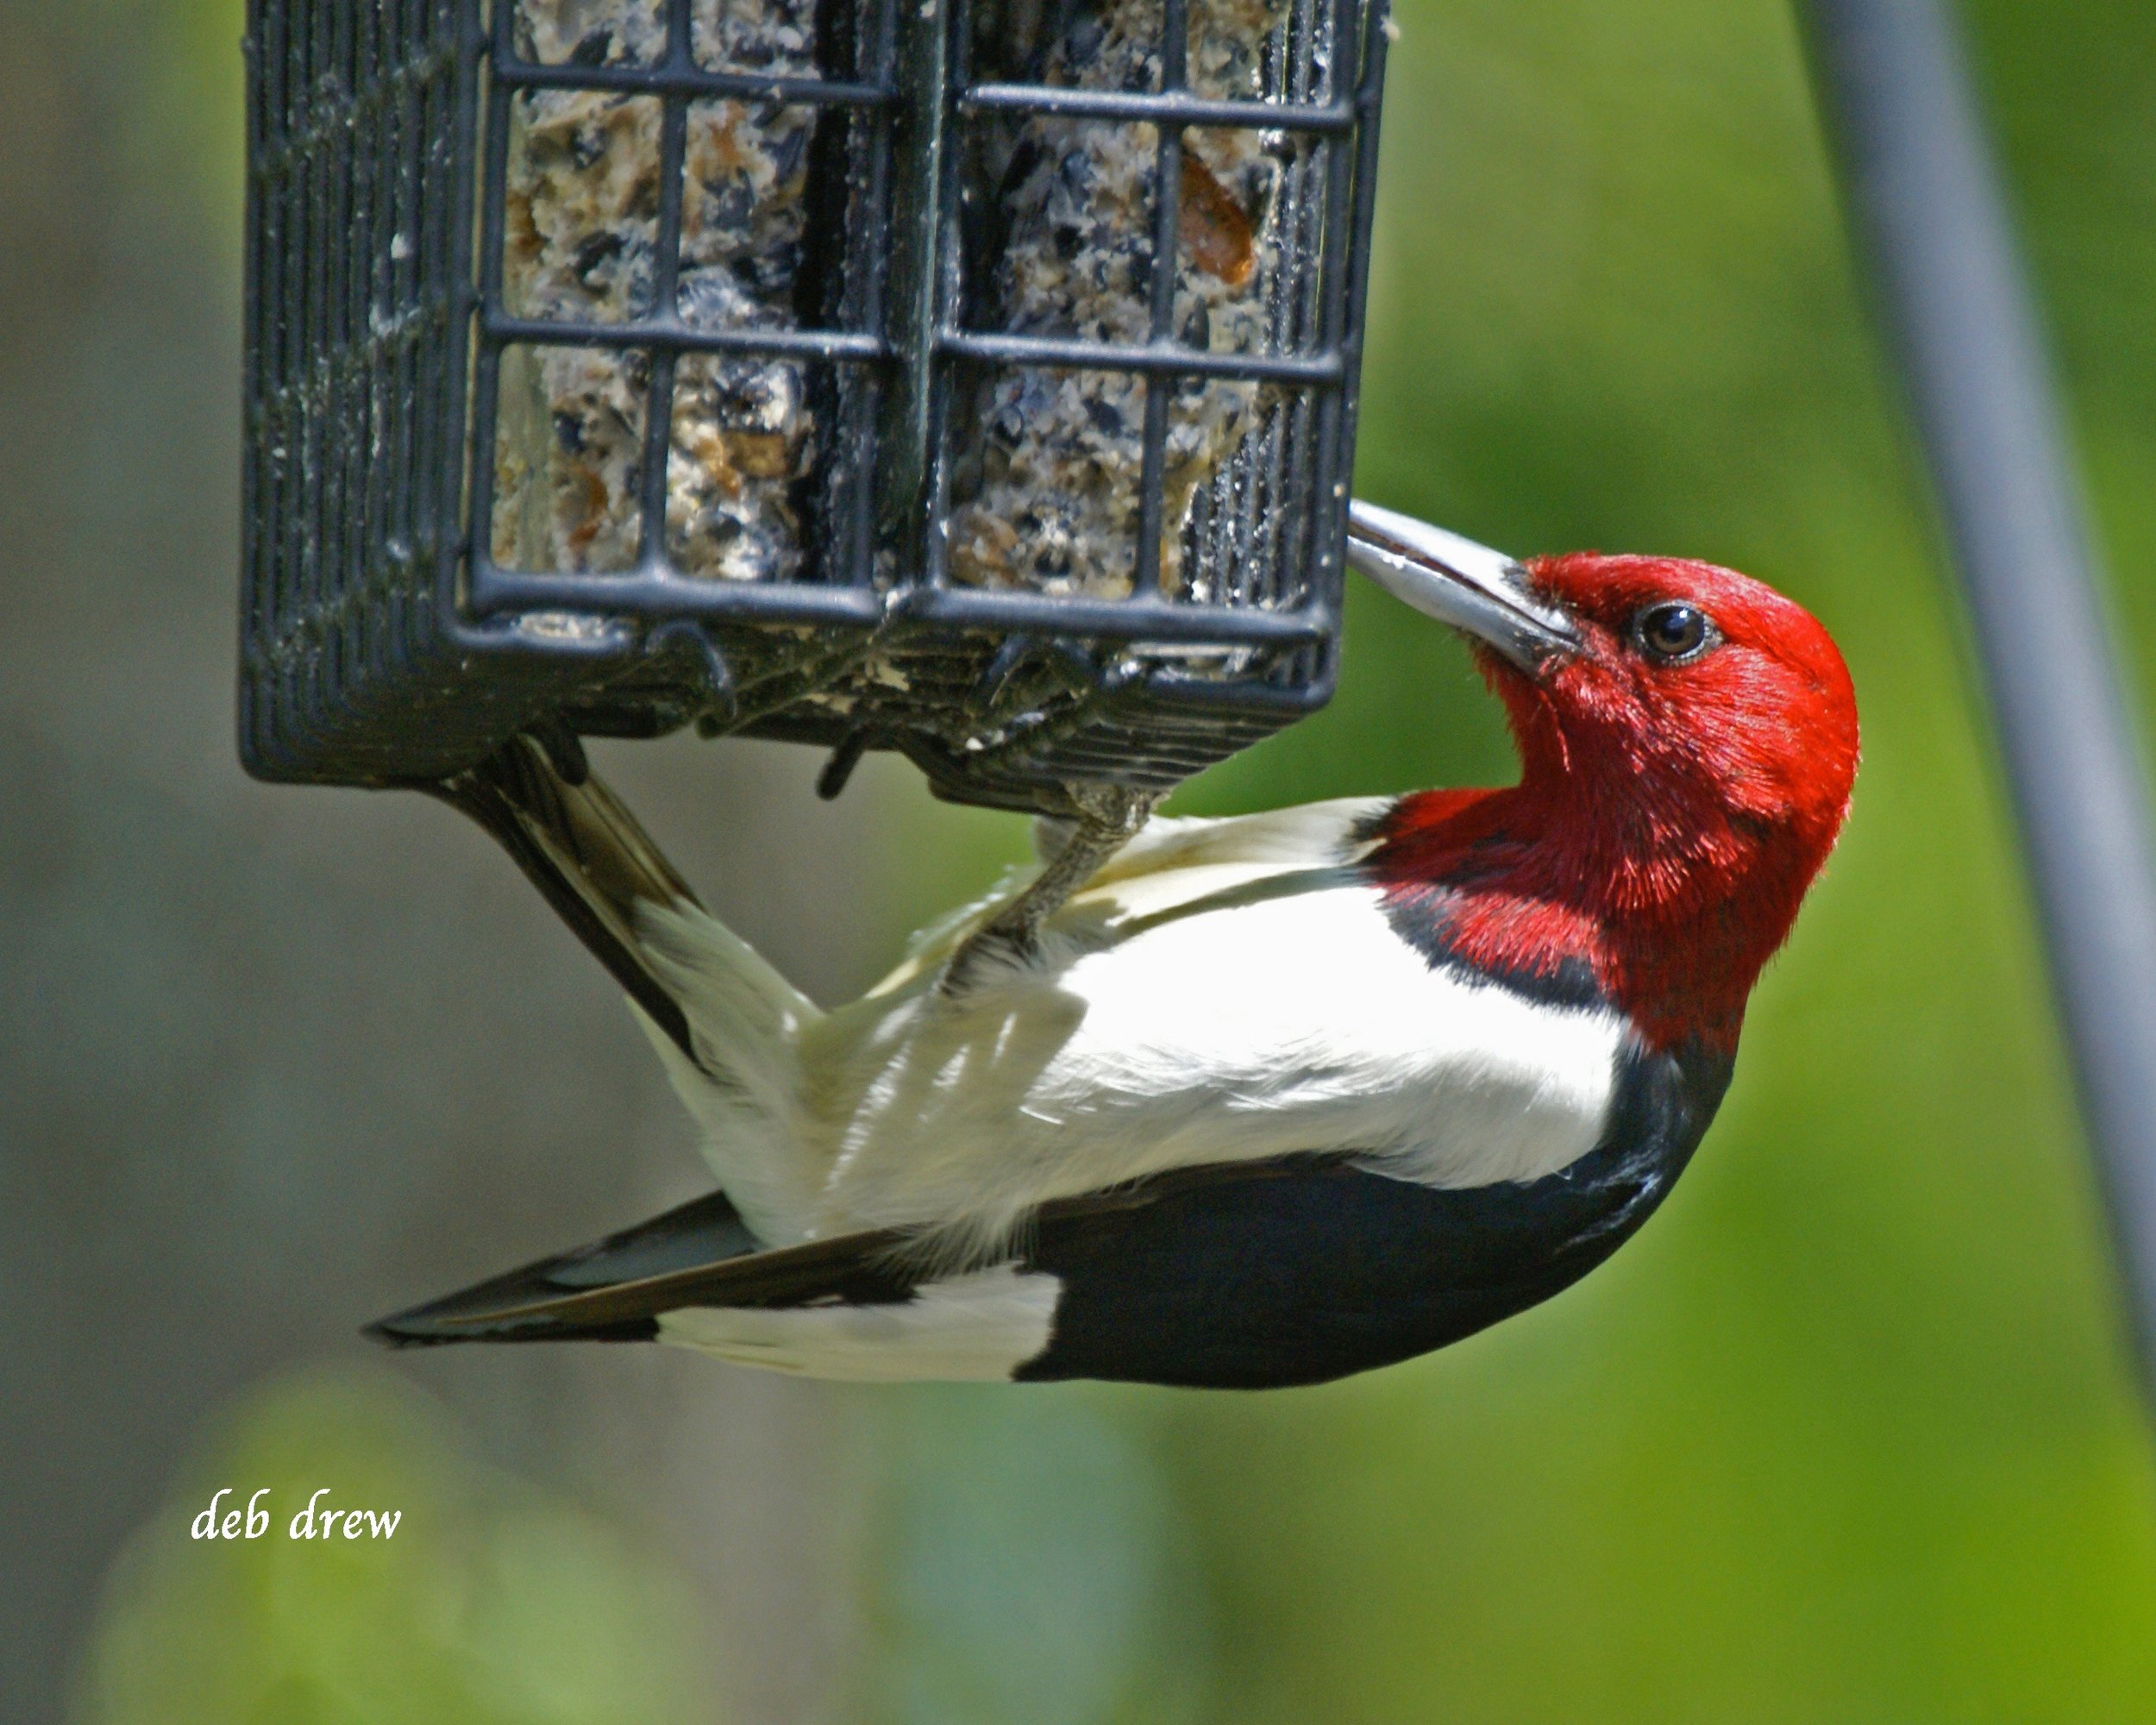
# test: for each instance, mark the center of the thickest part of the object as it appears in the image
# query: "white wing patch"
(1279, 1019)
(975, 1327)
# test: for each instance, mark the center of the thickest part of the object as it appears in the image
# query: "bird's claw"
(1108, 817)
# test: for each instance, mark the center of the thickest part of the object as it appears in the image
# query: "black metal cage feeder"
(973, 378)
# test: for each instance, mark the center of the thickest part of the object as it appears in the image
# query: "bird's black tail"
(590, 858)
(551, 1299)
(617, 1289)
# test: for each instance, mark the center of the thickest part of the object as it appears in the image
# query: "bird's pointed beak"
(1482, 592)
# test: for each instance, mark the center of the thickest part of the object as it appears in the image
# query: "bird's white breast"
(1286, 1019)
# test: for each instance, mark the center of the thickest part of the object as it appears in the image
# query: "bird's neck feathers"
(1669, 881)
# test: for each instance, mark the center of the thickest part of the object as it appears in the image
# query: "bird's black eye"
(1673, 632)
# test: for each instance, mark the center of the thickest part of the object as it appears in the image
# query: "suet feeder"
(970, 378)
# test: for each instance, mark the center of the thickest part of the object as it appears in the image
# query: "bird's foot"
(1109, 816)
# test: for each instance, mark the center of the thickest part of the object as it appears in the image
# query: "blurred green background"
(1847, 1434)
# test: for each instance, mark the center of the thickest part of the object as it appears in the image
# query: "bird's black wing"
(1308, 1269)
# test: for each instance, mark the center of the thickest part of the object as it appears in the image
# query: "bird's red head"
(1706, 698)
(1689, 742)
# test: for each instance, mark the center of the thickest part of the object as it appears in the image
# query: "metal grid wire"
(382, 641)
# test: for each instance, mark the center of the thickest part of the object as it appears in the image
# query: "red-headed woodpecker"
(1269, 1100)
